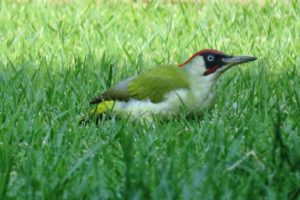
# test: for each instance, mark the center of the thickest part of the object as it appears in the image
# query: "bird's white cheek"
(196, 67)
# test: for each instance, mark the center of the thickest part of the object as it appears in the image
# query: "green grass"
(54, 57)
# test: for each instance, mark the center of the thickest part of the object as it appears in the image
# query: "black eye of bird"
(210, 58)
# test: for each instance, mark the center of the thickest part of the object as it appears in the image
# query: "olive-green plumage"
(155, 83)
(152, 84)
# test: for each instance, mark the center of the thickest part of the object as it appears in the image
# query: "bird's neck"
(195, 73)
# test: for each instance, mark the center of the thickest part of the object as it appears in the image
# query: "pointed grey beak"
(234, 60)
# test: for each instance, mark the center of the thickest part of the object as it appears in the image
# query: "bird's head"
(210, 62)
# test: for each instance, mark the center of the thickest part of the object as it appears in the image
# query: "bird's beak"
(234, 60)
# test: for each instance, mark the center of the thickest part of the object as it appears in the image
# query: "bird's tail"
(99, 112)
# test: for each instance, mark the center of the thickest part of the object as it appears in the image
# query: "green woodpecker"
(166, 90)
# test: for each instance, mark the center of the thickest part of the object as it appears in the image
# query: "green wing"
(152, 84)
(155, 83)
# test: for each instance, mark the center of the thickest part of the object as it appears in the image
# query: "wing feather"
(118, 92)
(152, 84)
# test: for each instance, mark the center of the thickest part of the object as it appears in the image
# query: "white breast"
(145, 108)
(199, 97)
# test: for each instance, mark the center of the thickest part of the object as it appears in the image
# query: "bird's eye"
(210, 58)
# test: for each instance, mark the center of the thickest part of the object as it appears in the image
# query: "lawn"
(54, 57)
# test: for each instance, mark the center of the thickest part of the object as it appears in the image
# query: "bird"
(167, 90)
